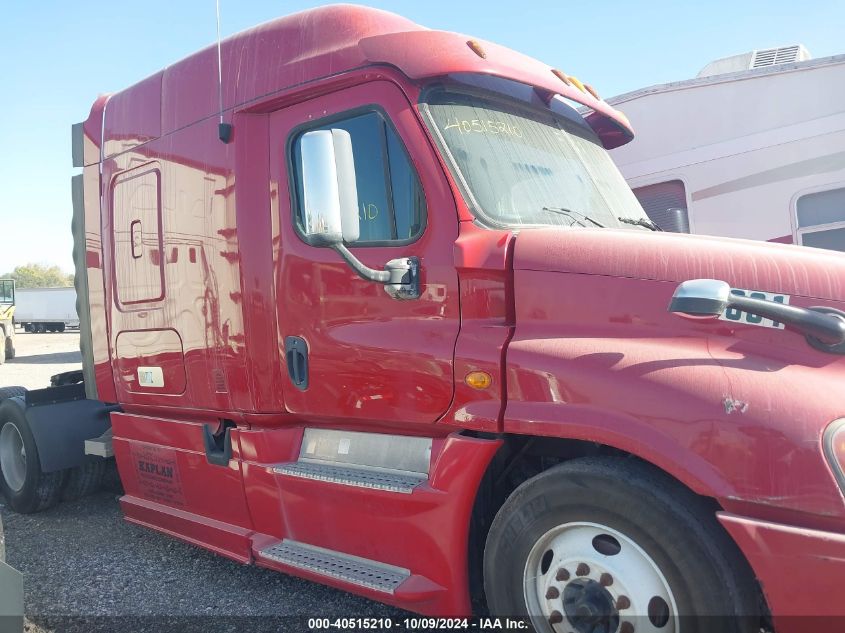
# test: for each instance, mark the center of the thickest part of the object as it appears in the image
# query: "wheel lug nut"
(562, 574)
(623, 602)
(583, 569)
(552, 593)
(606, 580)
(556, 617)
(626, 627)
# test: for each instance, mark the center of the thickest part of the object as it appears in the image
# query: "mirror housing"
(701, 298)
(330, 193)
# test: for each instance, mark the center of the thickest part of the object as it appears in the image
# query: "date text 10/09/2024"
(419, 624)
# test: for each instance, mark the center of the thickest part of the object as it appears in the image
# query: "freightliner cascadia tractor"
(378, 310)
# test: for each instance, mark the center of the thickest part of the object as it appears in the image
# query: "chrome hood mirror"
(701, 298)
(823, 327)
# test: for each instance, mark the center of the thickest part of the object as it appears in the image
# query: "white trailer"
(753, 147)
(46, 309)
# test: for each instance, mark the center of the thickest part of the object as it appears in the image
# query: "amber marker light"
(478, 379)
(577, 83)
(562, 76)
(592, 91)
(476, 48)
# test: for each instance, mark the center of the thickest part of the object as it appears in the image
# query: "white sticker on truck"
(150, 377)
(738, 316)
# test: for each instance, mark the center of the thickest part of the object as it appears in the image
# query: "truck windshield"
(523, 165)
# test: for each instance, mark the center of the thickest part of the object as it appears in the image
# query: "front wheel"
(604, 545)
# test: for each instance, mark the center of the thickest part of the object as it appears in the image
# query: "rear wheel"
(599, 545)
(10, 348)
(84, 480)
(24, 485)
(11, 392)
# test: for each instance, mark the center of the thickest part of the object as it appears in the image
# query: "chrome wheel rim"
(590, 578)
(12, 457)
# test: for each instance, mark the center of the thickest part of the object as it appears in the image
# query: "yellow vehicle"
(7, 312)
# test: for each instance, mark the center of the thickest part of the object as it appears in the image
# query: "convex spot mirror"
(330, 193)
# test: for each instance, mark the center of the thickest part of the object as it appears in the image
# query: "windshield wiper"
(573, 214)
(649, 224)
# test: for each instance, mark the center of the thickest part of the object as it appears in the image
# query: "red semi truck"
(395, 323)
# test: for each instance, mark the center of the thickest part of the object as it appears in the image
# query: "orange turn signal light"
(577, 83)
(478, 379)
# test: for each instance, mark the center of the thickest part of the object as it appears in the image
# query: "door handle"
(136, 238)
(296, 356)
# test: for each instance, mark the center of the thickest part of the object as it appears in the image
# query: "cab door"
(351, 353)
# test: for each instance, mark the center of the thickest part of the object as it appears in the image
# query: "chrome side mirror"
(701, 298)
(330, 210)
(330, 194)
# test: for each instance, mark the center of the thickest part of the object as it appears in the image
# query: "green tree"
(39, 276)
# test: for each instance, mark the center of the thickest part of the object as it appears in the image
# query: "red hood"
(777, 268)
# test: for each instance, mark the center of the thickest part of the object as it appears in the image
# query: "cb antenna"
(224, 130)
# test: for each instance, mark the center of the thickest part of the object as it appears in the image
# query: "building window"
(821, 219)
(391, 205)
(666, 204)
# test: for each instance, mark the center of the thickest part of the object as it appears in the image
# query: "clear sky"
(57, 56)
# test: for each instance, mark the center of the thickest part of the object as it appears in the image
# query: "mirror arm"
(362, 270)
(827, 328)
(401, 277)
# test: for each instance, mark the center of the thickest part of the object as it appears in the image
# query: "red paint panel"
(482, 260)
(222, 538)
(168, 467)
(202, 299)
(435, 518)
(371, 358)
(150, 348)
(315, 44)
(613, 366)
(808, 272)
(448, 53)
(133, 116)
(799, 600)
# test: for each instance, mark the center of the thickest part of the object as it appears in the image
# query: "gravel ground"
(85, 569)
(38, 357)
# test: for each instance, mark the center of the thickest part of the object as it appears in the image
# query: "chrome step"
(360, 477)
(352, 569)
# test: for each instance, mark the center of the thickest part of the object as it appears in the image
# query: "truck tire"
(25, 487)
(84, 480)
(10, 348)
(2, 348)
(610, 544)
(11, 392)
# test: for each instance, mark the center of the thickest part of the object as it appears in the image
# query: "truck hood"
(672, 257)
